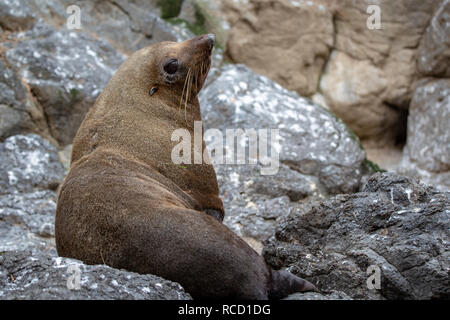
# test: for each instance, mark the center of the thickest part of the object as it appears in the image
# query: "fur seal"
(124, 203)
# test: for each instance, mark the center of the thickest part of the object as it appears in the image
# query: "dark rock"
(24, 275)
(28, 163)
(395, 224)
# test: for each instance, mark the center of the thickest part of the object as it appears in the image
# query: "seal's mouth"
(199, 67)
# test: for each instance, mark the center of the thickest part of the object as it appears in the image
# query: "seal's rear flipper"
(285, 283)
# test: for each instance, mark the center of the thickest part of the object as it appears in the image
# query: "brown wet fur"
(124, 202)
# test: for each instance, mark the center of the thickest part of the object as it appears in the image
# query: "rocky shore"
(330, 214)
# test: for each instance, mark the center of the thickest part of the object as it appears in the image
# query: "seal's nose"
(204, 42)
(211, 38)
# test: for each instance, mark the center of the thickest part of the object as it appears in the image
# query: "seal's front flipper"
(285, 283)
(215, 213)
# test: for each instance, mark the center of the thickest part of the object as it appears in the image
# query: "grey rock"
(427, 151)
(333, 295)
(208, 14)
(15, 16)
(128, 25)
(28, 162)
(254, 203)
(434, 49)
(29, 168)
(14, 104)
(66, 71)
(12, 91)
(27, 221)
(12, 121)
(40, 276)
(396, 224)
(313, 141)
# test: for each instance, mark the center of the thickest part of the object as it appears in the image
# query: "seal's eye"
(171, 67)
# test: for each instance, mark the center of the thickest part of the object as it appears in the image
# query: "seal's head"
(178, 68)
(186, 63)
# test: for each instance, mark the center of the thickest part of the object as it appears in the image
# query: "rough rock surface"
(62, 71)
(27, 221)
(207, 14)
(434, 50)
(288, 41)
(318, 155)
(333, 295)
(427, 151)
(369, 98)
(396, 224)
(127, 25)
(50, 76)
(312, 141)
(28, 163)
(325, 49)
(40, 276)
(30, 171)
(65, 71)
(18, 113)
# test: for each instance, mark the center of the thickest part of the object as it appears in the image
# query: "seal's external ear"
(153, 90)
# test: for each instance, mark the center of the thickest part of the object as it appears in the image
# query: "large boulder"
(65, 71)
(370, 79)
(62, 71)
(206, 15)
(40, 276)
(395, 225)
(288, 41)
(313, 141)
(434, 49)
(28, 221)
(326, 50)
(318, 155)
(30, 171)
(127, 25)
(427, 151)
(28, 163)
(18, 111)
